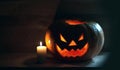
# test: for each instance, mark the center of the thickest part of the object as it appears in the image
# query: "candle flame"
(40, 43)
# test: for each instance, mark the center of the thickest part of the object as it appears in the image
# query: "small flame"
(40, 43)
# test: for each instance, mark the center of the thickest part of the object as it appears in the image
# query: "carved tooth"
(72, 52)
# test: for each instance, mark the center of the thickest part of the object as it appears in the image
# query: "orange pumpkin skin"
(73, 40)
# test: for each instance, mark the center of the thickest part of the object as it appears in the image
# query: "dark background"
(23, 23)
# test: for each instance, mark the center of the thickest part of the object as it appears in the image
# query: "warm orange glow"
(74, 22)
(81, 37)
(72, 43)
(62, 38)
(49, 41)
(72, 52)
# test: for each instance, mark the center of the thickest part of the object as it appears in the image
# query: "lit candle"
(41, 52)
(41, 49)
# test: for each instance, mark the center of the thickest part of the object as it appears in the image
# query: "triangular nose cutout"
(72, 43)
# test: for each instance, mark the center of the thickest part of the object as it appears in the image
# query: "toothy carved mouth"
(72, 52)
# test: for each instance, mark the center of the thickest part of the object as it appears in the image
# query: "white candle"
(41, 50)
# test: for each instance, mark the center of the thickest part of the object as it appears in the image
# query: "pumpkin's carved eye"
(62, 38)
(81, 37)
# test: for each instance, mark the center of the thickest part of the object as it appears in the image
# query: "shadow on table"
(50, 62)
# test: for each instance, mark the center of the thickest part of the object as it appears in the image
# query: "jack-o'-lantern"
(74, 39)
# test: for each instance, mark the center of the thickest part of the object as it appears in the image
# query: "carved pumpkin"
(74, 39)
